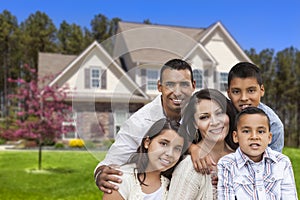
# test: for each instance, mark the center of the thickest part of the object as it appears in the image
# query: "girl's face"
(211, 120)
(164, 150)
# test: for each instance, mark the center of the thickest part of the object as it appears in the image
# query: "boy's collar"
(267, 155)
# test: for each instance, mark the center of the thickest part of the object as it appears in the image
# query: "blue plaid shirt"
(241, 178)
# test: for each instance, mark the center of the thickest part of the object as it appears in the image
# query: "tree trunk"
(40, 155)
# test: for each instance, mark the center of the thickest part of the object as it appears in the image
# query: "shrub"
(2, 141)
(59, 145)
(76, 143)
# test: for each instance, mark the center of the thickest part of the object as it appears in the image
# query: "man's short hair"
(176, 64)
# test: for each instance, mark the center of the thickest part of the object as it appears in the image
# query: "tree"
(41, 111)
(9, 51)
(100, 27)
(39, 35)
(71, 39)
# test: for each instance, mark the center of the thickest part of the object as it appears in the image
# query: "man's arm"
(127, 140)
(104, 175)
(118, 154)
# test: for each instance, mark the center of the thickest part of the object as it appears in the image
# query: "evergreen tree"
(71, 39)
(9, 60)
(39, 36)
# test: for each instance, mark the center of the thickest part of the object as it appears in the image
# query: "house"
(111, 80)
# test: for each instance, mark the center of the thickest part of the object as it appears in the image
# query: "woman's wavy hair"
(140, 158)
(188, 120)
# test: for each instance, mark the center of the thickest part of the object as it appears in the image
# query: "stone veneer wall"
(95, 121)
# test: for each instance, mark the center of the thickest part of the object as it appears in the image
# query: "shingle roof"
(191, 32)
(53, 63)
(155, 43)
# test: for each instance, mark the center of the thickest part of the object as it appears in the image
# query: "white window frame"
(223, 81)
(120, 116)
(72, 122)
(152, 78)
(199, 83)
(95, 78)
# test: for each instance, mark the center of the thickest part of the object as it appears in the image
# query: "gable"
(116, 81)
(223, 47)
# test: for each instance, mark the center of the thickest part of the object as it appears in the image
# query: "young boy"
(255, 171)
(245, 88)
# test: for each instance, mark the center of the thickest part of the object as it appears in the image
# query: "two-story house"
(111, 80)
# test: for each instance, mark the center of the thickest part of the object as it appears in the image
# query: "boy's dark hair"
(245, 70)
(176, 64)
(249, 111)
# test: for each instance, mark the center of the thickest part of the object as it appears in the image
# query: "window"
(152, 77)
(95, 78)
(120, 117)
(69, 127)
(198, 77)
(223, 81)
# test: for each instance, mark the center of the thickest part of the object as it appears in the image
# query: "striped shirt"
(241, 178)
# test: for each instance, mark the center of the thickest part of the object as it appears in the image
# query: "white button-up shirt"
(132, 132)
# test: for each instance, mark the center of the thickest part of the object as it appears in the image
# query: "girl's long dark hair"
(140, 158)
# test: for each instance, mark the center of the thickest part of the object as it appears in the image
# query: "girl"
(209, 116)
(147, 173)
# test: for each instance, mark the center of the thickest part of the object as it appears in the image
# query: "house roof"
(191, 32)
(154, 43)
(53, 63)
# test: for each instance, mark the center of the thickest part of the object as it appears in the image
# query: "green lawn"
(66, 175)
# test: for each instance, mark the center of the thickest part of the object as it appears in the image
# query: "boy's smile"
(245, 92)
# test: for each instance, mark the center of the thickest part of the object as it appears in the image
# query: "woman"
(146, 175)
(209, 116)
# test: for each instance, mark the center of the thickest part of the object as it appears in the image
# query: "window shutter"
(103, 79)
(87, 78)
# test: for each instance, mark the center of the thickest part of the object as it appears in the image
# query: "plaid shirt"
(241, 178)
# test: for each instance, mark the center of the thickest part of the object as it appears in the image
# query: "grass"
(66, 175)
(294, 155)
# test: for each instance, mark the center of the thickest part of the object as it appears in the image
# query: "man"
(176, 85)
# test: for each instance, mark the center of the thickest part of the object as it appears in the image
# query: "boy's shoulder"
(277, 156)
(267, 109)
(229, 159)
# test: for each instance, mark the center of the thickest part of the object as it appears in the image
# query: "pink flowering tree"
(41, 110)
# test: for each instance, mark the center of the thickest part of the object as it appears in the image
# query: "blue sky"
(255, 24)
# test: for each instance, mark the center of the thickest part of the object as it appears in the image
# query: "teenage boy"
(245, 88)
(255, 171)
(176, 85)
